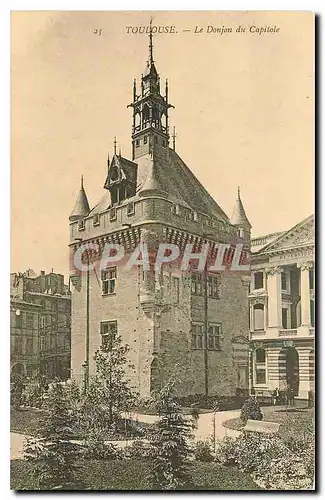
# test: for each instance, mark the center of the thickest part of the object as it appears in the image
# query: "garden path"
(203, 431)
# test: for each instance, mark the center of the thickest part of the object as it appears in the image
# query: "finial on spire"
(134, 89)
(238, 190)
(174, 138)
(82, 181)
(115, 145)
(150, 43)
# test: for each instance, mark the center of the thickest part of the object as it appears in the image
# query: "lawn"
(292, 420)
(134, 474)
(29, 422)
(26, 421)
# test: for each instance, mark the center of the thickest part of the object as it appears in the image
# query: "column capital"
(271, 271)
(304, 266)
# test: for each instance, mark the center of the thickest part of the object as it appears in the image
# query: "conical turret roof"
(239, 217)
(81, 207)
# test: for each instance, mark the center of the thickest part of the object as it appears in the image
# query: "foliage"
(35, 392)
(134, 474)
(53, 455)
(273, 464)
(16, 390)
(139, 449)
(251, 410)
(108, 394)
(171, 448)
(147, 406)
(203, 452)
(96, 448)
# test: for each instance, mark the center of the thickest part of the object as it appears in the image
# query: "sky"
(244, 114)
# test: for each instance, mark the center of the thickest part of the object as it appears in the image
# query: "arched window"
(260, 367)
(145, 115)
(258, 317)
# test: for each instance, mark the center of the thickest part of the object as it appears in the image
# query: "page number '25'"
(97, 31)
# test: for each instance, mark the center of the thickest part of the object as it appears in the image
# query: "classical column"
(305, 297)
(305, 379)
(274, 297)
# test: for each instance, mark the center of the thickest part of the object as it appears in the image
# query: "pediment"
(303, 234)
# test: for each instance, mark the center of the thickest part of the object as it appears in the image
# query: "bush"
(251, 410)
(268, 458)
(202, 451)
(139, 449)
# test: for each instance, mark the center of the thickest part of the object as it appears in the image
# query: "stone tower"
(180, 321)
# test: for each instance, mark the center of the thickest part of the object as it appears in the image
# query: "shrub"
(139, 449)
(53, 455)
(202, 451)
(251, 410)
(268, 458)
(171, 450)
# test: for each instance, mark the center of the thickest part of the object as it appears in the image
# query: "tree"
(171, 444)
(109, 393)
(55, 458)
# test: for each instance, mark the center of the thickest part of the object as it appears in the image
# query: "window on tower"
(130, 208)
(108, 331)
(137, 143)
(81, 224)
(197, 341)
(96, 220)
(112, 214)
(108, 281)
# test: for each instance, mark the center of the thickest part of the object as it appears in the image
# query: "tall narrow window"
(175, 290)
(284, 318)
(214, 281)
(260, 367)
(214, 335)
(108, 331)
(258, 316)
(285, 281)
(197, 336)
(197, 284)
(108, 281)
(258, 280)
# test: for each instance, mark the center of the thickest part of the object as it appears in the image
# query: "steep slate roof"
(239, 217)
(173, 176)
(163, 173)
(81, 207)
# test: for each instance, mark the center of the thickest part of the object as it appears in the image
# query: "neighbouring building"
(191, 323)
(40, 317)
(282, 317)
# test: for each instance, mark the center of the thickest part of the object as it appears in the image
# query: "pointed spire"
(150, 44)
(81, 207)
(239, 217)
(115, 145)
